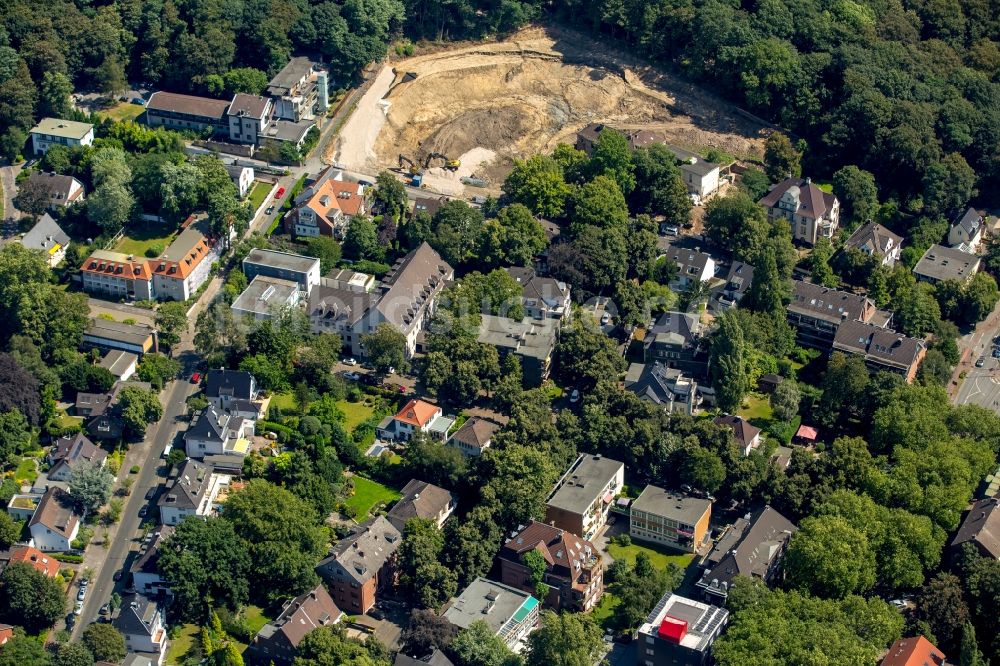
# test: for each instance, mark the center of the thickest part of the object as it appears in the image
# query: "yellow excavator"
(412, 169)
(449, 164)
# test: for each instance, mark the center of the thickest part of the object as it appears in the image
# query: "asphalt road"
(153, 473)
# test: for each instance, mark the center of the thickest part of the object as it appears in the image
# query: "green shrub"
(134, 469)
(68, 557)
(154, 250)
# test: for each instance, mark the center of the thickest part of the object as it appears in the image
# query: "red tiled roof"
(36, 558)
(913, 652)
(417, 413)
(807, 432)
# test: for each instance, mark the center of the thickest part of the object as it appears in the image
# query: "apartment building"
(297, 268)
(248, 117)
(671, 519)
(532, 340)
(679, 632)
(183, 267)
(510, 613)
(187, 112)
(816, 312)
(142, 622)
(299, 90)
(362, 565)
(574, 572)
(265, 297)
(117, 276)
(941, 263)
(581, 499)
(881, 348)
(58, 132)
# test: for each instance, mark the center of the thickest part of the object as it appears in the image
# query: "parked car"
(575, 396)
(269, 210)
(82, 594)
(353, 376)
(376, 614)
(106, 609)
(605, 319)
(196, 378)
(671, 231)
(350, 361)
(78, 608)
(139, 101)
(143, 511)
(280, 193)
(118, 575)
(151, 493)
(996, 352)
(981, 361)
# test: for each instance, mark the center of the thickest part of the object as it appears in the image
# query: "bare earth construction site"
(487, 104)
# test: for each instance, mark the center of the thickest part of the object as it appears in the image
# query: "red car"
(280, 193)
(195, 378)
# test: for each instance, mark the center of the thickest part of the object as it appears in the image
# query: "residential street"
(123, 539)
(981, 386)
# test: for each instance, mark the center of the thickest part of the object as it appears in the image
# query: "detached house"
(326, 207)
(141, 621)
(676, 341)
(665, 387)
(242, 177)
(746, 436)
(277, 642)
(218, 433)
(981, 528)
(145, 572)
(738, 283)
(542, 297)
(474, 437)
(48, 238)
(421, 500)
(415, 416)
(192, 493)
(916, 651)
(876, 241)
(62, 190)
(966, 234)
(811, 212)
(693, 266)
(54, 525)
(752, 546)
(573, 567)
(70, 450)
(226, 388)
(360, 566)
(36, 559)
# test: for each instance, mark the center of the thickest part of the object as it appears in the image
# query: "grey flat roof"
(294, 71)
(494, 603)
(584, 482)
(675, 506)
(69, 129)
(287, 130)
(113, 330)
(946, 263)
(265, 293)
(284, 260)
(529, 337)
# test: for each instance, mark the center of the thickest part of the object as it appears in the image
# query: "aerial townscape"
(518, 333)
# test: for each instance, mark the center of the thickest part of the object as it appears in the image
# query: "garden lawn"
(258, 193)
(757, 407)
(604, 611)
(122, 111)
(66, 421)
(356, 413)
(139, 239)
(367, 494)
(27, 470)
(180, 645)
(255, 618)
(285, 402)
(659, 558)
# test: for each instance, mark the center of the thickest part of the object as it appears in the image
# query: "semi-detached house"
(192, 493)
(816, 312)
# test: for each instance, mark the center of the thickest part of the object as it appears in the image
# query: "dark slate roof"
(981, 526)
(419, 500)
(835, 306)
(363, 553)
(875, 236)
(236, 383)
(740, 277)
(301, 615)
(211, 425)
(750, 546)
(743, 432)
(476, 432)
(137, 615)
(678, 328)
(946, 263)
(146, 562)
(689, 259)
(879, 345)
(436, 658)
(189, 487)
(813, 202)
(970, 221)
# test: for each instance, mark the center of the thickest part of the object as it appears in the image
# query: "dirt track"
(489, 103)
